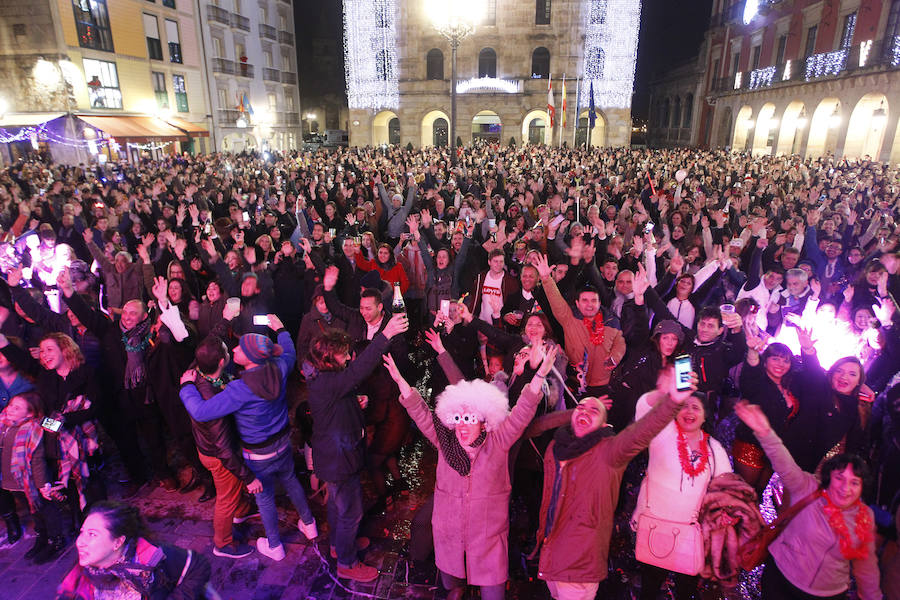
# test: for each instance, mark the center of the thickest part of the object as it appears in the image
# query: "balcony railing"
(271, 74)
(288, 118)
(240, 22)
(268, 32)
(286, 37)
(244, 70)
(223, 65)
(868, 55)
(214, 13)
(228, 117)
(288, 78)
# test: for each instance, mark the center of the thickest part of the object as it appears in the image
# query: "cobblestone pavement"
(304, 574)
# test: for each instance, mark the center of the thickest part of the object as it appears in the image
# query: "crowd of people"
(636, 346)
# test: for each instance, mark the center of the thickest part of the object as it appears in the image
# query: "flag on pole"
(551, 105)
(592, 117)
(563, 120)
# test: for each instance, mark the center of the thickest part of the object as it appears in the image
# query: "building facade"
(799, 77)
(674, 99)
(117, 63)
(398, 70)
(251, 73)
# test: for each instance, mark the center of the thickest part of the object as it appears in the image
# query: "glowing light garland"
(864, 49)
(895, 52)
(149, 147)
(761, 77)
(826, 63)
(610, 51)
(43, 134)
(489, 85)
(370, 54)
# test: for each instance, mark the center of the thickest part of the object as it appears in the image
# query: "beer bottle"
(398, 306)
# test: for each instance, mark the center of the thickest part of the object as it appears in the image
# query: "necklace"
(685, 459)
(863, 528)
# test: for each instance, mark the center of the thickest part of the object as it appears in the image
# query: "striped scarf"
(28, 436)
(75, 446)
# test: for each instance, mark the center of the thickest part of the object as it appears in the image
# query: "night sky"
(671, 33)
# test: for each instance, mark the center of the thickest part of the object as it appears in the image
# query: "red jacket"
(395, 274)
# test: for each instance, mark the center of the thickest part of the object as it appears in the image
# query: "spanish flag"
(563, 120)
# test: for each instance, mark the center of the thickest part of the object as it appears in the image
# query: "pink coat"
(471, 514)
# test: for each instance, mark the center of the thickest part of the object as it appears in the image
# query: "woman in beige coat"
(473, 430)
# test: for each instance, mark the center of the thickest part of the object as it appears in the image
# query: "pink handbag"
(669, 545)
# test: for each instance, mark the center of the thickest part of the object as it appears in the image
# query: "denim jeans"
(344, 514)
(269, 471)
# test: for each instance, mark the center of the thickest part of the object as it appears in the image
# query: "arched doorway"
(823, 128)
(764, 133)
(742, 126)
(435, 128)
(386, 128)
(536, 128)
(865, 131)
(486, 126)
(598, 136)
(724, 134)
(793, 125)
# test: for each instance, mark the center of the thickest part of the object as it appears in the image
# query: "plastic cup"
(234, 304)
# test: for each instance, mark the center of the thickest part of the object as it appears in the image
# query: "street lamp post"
(455, 21)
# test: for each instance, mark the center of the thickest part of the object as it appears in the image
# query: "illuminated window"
(181, 99)
(174, 41)
(103, 83)
(92, 23)
(487, 63)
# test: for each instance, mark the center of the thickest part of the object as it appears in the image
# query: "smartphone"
(648, 228)
(260, 320)
(492, 223)
(682, 372)
(445, 308)
(207, 228)
(51, 424)
(245, 215)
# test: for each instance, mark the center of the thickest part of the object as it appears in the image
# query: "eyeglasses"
(465, 419)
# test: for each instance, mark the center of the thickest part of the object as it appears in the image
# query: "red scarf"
(595, 328)
(864, 528)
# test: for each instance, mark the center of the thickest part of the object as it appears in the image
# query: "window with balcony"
(540, 63)
(273, 102)
(487, 63)
(169, 3)
(735, 63)
(893, 23)
(676, 114)
(267, 55)
(174, 41)
(434, 64)
(103, 83)
(289, 102)
(542, 12)
(222, 95)
(159, 89)
(181, 98)
(151, 32)
(688, 111)
(286, 62)
(847, 31)
(92, 24)
(811, 40)
(779, 52)
(598, 12)
(754, 61)
(218, 47)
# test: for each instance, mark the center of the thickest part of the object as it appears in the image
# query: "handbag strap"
(793, 510)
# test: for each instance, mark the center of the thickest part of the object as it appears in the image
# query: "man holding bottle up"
(386, 419)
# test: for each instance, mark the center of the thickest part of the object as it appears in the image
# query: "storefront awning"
(192, 128)
(134, 129)
(27, 119)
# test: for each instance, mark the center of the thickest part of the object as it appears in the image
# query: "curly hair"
(70, 350)
(480, 397)
(325, 349)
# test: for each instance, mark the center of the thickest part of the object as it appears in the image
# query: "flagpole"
(563, 121)
(577, 108)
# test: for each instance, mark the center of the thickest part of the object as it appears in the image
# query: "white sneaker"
(310, 531)
(277, 553)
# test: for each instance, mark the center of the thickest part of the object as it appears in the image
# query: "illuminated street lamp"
(879, 117)
(802, 119)
(835, 119)
(455, 21)
(310, 117)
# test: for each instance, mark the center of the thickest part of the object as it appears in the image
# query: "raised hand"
(161, 291)
(641, 282)
(677, 263)
(434, 340)
(398, 324)
(330, 278)
(395, 374)
(14, 276)
(543, 266)
(64, 283)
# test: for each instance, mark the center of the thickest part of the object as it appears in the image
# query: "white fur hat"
(477, 396)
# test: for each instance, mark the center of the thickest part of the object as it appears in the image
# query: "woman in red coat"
(386, 265)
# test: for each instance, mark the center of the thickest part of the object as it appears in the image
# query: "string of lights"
(761, 77)
(610, 51)
(370, 54)
(42, 133)
(149, 147)
(825, 63)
